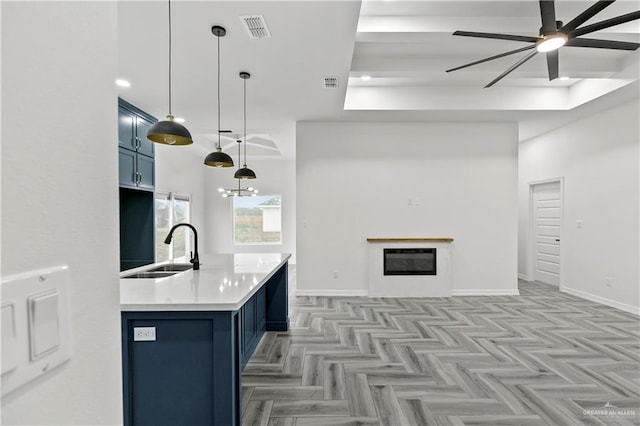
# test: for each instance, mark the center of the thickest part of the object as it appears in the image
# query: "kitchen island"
(186, 337)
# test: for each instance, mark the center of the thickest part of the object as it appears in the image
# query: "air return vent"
(330, 82)
(256, 26)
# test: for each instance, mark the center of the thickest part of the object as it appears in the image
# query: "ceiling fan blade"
(585, 16)
(511, 68)
(552, 64)
(502, 55)
(602, 44)
(548, 15)
(497, 36)
(606, 24)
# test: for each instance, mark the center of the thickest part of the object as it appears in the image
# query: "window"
(171, 209)
(257, 220)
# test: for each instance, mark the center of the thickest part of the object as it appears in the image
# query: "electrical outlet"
(608, 281)
(335, 274)
(144, 334)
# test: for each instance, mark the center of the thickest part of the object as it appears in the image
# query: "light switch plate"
(44, 331)
(46, 290)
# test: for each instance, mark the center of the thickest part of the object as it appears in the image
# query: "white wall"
(598, 157)
(60, 194)
(179, 169)
(273, 177)
(354, 181)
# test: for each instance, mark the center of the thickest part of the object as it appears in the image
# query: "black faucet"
(195, 259)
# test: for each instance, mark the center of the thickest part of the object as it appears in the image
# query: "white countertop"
(223, 283)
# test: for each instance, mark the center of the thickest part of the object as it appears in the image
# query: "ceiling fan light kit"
(554, 35)
(550, 42)
(168, 132)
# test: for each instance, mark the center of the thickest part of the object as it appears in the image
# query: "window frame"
(172, 197)
(233, 224)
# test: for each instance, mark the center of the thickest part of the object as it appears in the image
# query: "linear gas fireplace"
(409, 261)
(410, 267)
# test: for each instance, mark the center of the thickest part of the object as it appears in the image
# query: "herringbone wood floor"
(542, 358)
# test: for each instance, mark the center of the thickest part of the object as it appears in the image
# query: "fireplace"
(409, 261)
(410, 267)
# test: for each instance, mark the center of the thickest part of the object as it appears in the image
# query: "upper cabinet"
(136, 151)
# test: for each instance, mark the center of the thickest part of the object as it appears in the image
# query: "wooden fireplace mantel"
(411, 240)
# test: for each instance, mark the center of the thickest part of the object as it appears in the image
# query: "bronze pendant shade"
(244, 173)
(218, 158)
(240, 192)
(168, 132)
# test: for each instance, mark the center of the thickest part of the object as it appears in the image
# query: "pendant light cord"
(170, 57)
(245, 122)
(219, 147)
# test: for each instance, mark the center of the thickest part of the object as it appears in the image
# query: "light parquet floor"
(542, 358)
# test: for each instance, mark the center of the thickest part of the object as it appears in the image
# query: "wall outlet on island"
(335, 274)
(608, 281)
(144, 334)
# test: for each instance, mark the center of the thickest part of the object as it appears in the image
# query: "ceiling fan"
(553, 35)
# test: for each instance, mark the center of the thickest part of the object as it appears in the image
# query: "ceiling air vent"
(330, 82)
(256, 26)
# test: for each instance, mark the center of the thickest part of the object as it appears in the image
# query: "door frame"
(531, 241)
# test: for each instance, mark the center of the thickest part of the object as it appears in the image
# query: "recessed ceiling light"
(123, 83)
(564, 78)
(365, 78)
(178, 119)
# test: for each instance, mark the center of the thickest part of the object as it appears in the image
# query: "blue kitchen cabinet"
(136, 152)
(137, 231)
(146, 172)
(191, 373)
(136, 178)
(127, 168)
(133, 124)
(188, 376)
(252, 320)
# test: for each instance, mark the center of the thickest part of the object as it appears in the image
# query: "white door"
(547, 211)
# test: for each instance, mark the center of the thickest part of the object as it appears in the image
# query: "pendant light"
(169, 132)
(218, 158)
(240, 191)
(244, 172)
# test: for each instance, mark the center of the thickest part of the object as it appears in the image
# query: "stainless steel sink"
(150, 274)
(172, 267)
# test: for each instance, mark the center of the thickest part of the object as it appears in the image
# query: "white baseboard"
(365, 293)
(486, 292)
(333, 293)
(603, 300)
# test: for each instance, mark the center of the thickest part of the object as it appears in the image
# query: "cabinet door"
(249, 322)
(127, 168)
(126, 129)
(146, 172)
(171, 379)
(261, 309)
(145, 146)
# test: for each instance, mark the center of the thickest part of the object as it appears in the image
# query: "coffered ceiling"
(404, 46)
